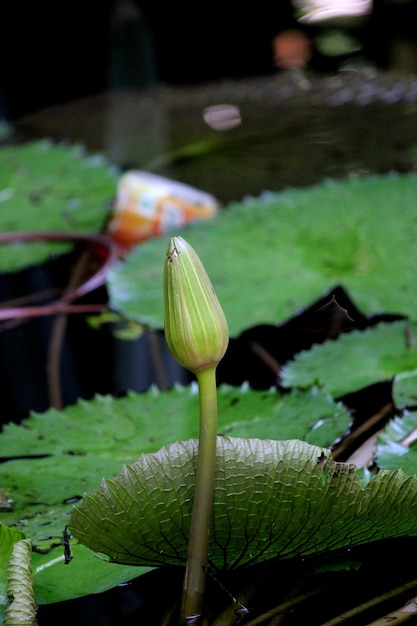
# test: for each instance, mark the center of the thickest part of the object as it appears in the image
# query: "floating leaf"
(43, 491)
(271, 255)
(57, 582)
(404, 389)
(309, 415)
(355, 360)
(272, 499)
(396, 444)
(57, 456)
(50, 187)
(72, 450)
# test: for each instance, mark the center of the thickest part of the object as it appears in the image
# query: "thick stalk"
(202, 511)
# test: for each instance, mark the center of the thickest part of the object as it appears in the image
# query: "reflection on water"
(317, 10)
(292, 129)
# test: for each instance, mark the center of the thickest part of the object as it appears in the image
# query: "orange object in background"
(148, 205)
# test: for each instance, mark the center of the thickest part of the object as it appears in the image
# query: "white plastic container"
(148, 205)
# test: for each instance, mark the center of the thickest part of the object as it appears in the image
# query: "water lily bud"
(195, 325)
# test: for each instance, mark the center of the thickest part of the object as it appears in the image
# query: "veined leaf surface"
(58, 456)
(272, 499)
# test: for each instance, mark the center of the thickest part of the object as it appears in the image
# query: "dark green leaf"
(272, 255)
(74, 449)
(67, 453)
(404, 389)
(86, 573)
(50, 187)
(396, 445)
(355, 360)
(308, 415)
(272, 499)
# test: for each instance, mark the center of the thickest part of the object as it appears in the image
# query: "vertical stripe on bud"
(195, 326)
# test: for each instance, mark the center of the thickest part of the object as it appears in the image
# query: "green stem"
(202, 511)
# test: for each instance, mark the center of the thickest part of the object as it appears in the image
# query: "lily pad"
(404, 389)
(45, 186)
(53, 580)
(397, 443)
(56, 581)
(58, 456)
(271, 255)
(272, 499)
(309, 415)
(355, 360)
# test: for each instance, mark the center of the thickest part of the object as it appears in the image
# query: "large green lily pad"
(58, 456)
(272, 255)
(272, 499)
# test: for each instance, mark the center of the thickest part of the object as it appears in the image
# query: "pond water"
(291, 129)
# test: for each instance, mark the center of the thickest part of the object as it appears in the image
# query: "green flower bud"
(195, 326)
